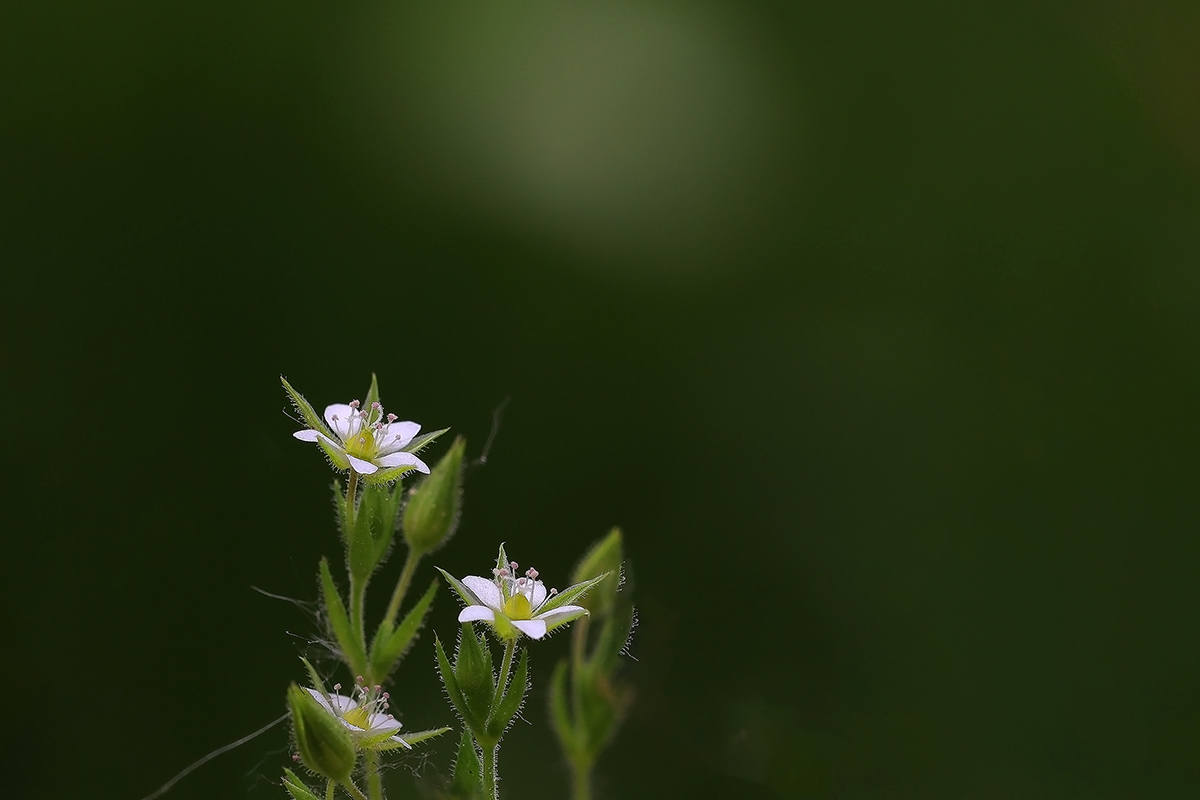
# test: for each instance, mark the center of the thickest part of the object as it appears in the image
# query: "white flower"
(367, 441)
(366, 718)
(511, 604)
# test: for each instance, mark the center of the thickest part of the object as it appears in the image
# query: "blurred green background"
(874, 325)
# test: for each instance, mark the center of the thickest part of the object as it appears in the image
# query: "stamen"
(354, 404)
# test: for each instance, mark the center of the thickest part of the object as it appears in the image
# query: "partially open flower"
(366, 717)
(517, 605)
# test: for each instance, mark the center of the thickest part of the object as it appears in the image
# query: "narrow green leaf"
(339, 622)
(391, 644)
(305, 410)
(467, 768)
(570, 594)
(296, 787)
(473, 669)
(451, 683)
(514, 697)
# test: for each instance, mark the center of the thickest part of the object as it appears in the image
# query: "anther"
(531, 573)
(392, 418)
(354, 404)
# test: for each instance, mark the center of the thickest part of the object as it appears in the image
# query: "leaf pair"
(487, 706)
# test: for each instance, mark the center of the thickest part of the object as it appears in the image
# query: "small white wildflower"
(517, 605)
(366, 440)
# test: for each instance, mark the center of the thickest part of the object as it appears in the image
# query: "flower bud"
(604, 556)
(324, 743)
(431, 516)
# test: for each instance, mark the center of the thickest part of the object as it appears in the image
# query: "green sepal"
(564, 619)
(514, 697)
(371, 535)
(386, 476)
(408, 740)
(467, 768)
(502, 561)
(324, 743)
(473, 671)
(307, 413)
(560, 711)
(391, 643)
(460, 588)
(296, 787)
(604, 557)
(431, 515)
(450, 682)
(313, 677)
(339, 622)
(372, 393)
(419, 443)
(569, 595)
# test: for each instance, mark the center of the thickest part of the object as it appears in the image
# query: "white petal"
(476, 614)
(398, 435)
(306, 435)
(539, 594)
(346, 417)
(403, 460)
(533, 628)
(360, 466)
(562, 611)
(382, 723)
(485, 590)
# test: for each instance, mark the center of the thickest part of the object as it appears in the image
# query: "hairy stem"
(353, 791)
(406, 575)
(374, 776)
(489, 776)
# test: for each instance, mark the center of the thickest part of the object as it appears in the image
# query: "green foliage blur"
(875, 326)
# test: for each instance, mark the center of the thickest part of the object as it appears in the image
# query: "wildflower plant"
(342, 737)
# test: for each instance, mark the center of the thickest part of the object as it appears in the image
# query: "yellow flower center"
(361, 445)
(359, 717)
(518, 607)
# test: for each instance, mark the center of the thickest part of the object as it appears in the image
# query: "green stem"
(328, 790)
(581, 785)
(374, 776)
(353, 791)
(351, 499)
(406, 575)
(357, 593)
(505, 668)
(490, 778)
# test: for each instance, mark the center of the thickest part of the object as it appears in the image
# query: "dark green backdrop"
(875, 327)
